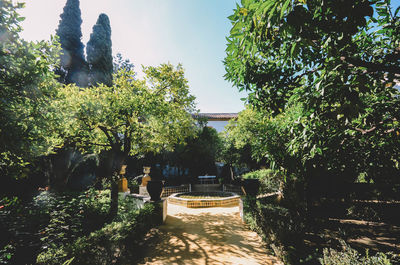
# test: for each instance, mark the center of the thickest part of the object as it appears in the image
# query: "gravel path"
(207, 236)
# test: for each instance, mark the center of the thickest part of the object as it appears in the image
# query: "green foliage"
(198, 154)
(114, 242)
(256, 139)
(325, 70)
(73, 68)
(6, 254)
(65, 218)
(119, 63)
(349, 255)
(99, 53)
(132, 117)
(28, 123)
(52, 221)
(280, 228)
(270, 180)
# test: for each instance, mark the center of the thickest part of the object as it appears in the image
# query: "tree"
(131, 118)
(245, 139)
(73, 68)
(99, 53)
(119, 63)
(328, 68)
(28, 122)
(199, 152)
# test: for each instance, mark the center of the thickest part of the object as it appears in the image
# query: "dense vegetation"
(48, 113)
(28, 124)
(56, 227)
(322, 120)
(323, 107)
(324, 76)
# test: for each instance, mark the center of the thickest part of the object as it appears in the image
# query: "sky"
(151, 32)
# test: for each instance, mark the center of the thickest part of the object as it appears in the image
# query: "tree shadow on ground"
(208, 238)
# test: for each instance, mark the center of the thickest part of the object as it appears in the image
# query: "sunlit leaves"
(133, 116)
(335, 63)
(28, 122)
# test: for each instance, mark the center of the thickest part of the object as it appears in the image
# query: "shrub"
(349, 255)
(279, 227)
(50, 221)
(114, 243)
(270, 180)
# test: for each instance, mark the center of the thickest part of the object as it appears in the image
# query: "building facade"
(216, 120)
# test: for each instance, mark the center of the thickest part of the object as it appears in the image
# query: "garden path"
(207, 236)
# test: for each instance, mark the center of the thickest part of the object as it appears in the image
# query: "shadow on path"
(207, 236)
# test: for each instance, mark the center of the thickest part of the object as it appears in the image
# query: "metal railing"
(167, 191)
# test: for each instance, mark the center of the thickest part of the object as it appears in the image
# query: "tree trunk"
(118, 159)
(231, 171)
(114, 200)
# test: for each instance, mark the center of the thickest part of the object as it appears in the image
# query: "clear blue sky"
(150, 32)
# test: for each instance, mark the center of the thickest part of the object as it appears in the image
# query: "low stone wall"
(204, 203)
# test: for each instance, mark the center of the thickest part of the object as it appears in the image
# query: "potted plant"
(154, 186)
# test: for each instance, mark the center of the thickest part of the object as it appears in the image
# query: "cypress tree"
(99, 53)
(73, 65)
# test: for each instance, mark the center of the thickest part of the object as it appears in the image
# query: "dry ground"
(206, 236)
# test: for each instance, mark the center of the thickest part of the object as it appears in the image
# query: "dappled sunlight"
(207, 236)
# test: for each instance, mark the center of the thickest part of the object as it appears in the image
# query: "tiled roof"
(216, 116)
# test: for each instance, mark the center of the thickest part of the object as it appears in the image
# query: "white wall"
(217, 125)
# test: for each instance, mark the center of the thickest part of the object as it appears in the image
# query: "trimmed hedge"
(270, 180)
(114, 243)
(281, 229)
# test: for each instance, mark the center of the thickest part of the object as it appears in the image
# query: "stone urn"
(154, 188)
(250, 187)
(146, 177)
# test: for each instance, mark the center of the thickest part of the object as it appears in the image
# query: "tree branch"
(375, 127)
(97, 144)
(106, 132)
(371, 66)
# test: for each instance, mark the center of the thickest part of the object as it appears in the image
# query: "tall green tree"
(330, 68)
(99, 53)
(245, 139)
(131, 118)
(28, 121)
(73, 67)
(198, 154)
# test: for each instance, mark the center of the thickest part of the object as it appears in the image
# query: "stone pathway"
(207, 236)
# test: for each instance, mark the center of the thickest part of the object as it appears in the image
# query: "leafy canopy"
(328, 67)
(28, 123)
(133, 117)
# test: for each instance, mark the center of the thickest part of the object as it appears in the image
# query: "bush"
(349, 255)
(279, 227)
(50, 221)
(114, 243)
(270, 180)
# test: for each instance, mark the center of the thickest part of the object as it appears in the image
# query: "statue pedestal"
(161, 208)
(143, 191)
(122, 185)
